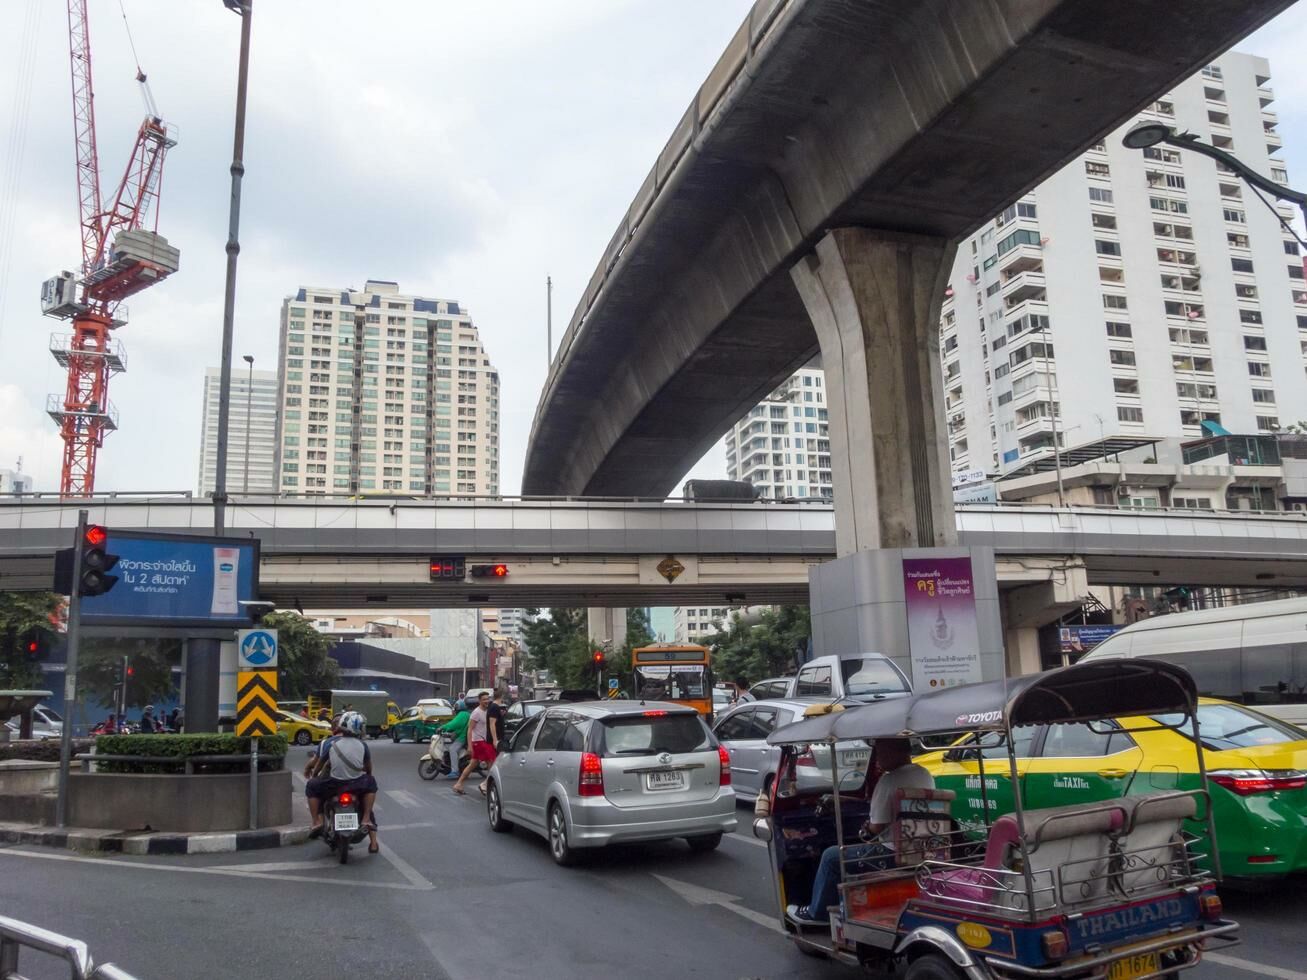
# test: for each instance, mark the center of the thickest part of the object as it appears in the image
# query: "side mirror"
(762, 828)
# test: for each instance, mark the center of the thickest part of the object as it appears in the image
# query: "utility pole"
(249, 399)
(549, 324)
(70, 674)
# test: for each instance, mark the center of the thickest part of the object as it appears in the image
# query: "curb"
(129, 842)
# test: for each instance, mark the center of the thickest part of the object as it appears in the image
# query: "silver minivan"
(606, 772)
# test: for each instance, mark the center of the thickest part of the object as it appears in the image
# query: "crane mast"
(118, 260)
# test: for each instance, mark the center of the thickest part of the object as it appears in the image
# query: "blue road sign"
(612, 683)
(258, 648)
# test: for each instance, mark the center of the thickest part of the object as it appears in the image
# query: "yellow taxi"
(301, 730)
(1256, 769)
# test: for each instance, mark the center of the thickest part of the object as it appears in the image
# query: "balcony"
(1023, 286)
(1036, 306)
(1023, 256)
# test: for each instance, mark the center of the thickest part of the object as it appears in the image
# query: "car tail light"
(346, 799)
(1054, 943)
(806, 759)
(591, 781)
(1209, 904)
(1246, 782)
(725, 758)
(655, 714)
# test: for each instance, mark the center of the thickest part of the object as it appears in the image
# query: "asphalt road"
(446, 898)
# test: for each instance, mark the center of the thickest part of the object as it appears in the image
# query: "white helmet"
(352, 722)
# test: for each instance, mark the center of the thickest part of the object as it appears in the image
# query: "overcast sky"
(466, 150)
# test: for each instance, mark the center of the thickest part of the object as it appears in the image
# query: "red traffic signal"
(598, 657)
(131, 671)
(33, 646)
(490, 571)
(96, 536)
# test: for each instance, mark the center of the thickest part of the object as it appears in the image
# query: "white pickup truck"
(851, 676)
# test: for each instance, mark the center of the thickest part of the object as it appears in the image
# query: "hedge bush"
(34, 751)
(272, 752)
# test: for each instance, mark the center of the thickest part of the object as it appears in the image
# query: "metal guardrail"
(16, 936)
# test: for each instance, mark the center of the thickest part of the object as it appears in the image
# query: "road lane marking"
(415, 883)
(698, 895)
(404, 798)
(1261, 969)
(414, 877)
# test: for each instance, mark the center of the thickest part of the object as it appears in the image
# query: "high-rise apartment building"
(782, 446)
(1147, 294)
(252, 417)
(385, 392)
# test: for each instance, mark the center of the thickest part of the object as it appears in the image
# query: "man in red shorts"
(479, 738)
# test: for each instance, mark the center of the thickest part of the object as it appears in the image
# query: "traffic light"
(490, 571)
(34, 644)
(96, 563)
(597, 658)
(447, 568)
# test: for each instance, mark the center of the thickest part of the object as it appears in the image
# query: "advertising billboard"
(943, 635)
(1082, 639)
(177, 580)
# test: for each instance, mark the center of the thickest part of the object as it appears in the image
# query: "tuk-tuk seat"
(1056, 837)
(923, 826)
(1152, 848)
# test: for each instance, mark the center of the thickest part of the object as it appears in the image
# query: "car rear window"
(868, 676)
(1224, 726)
(645, 735)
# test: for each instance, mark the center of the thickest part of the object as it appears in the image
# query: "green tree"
(151, 679)
(303, 664)
(767, 647)
(22, 613)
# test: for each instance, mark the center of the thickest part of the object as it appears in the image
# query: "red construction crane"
(119, 258)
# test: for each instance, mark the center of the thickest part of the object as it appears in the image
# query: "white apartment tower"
(385, 392)
(782, 446)
(1133, 293)
(252, 418)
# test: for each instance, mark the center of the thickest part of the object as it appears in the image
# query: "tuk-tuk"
(1123, 889)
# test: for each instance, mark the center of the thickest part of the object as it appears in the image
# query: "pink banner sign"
(943, 637)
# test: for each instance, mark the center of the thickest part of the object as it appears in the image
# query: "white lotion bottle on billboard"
(226, 568)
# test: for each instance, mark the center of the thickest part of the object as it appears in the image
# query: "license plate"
(665, 780)
(1139, 965)
(855, 758)
(346, 821)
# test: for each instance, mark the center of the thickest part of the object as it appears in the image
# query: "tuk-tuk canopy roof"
(1083, 692)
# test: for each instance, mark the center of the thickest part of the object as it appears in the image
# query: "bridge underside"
(925, 118)
(402, 581)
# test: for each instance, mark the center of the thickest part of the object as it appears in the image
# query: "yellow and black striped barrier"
(256, 702)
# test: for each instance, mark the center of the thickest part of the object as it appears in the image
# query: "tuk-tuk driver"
(898, 771)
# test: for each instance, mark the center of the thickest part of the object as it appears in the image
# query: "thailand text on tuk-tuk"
(1121, 890)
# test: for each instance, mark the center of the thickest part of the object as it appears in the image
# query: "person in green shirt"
(457, 726)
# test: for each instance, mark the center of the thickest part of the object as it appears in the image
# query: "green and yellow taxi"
(422, 720)
(301, 730)
(1256, 768)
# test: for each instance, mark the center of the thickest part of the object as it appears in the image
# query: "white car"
(606, 772)
(46, 724)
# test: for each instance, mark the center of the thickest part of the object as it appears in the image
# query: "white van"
(1255, 654)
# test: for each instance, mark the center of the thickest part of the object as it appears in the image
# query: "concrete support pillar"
(607, 626)
(1022, 645)
(200, 685)
(874, 299)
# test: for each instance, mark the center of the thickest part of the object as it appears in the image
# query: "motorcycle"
(342, 822)
(437, 762)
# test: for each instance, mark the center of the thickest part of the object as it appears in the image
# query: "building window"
(1123, 357)
(1103, 247)
(1126, 386)
(1268, 423)
(1250, 316)
(1259, 369)
(1129, 413)
(1264, 396)
(1101, 194)
(1254, 343)
(1095, 169)
(1233, 214)
(1114, 302)
(1117, 329)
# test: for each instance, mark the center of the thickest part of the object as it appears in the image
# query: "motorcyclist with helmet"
(345, 764)
(457, 726)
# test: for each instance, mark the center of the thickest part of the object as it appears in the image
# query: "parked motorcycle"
(437, 762)
(342, 822)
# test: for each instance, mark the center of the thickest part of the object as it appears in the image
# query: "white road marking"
(1237, 963)
(415, 881)
(698, 895)
(404, 798)
(415, 878)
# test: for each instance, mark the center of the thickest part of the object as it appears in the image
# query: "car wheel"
(303, 737)
(559, 848)
(394, 736)
(933, 966)
(704, 843)
(495, 810)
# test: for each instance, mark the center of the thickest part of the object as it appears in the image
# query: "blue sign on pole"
(177, 580)
(258, 648)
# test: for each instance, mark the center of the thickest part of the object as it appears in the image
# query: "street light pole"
(249, 403)
(245, 9)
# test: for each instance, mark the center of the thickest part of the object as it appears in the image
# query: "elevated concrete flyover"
(325, 551)
(877, 118)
